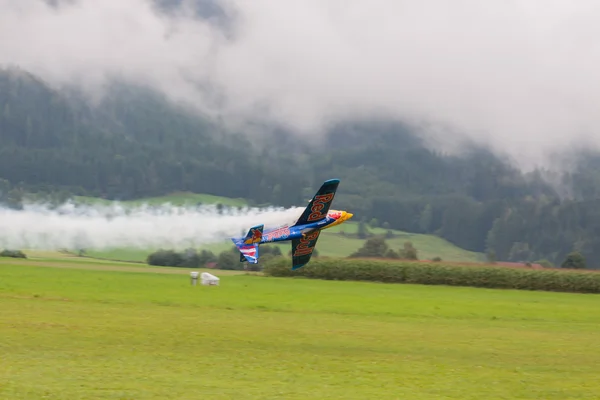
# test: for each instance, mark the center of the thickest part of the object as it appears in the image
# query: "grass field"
(125, 331)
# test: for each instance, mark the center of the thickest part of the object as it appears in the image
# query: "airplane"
(303, 234)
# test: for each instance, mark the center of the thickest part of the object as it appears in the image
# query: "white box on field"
(209, 279)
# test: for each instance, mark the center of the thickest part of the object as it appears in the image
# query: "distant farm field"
(124, 331)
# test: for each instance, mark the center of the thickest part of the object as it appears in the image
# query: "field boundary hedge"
(438, 273)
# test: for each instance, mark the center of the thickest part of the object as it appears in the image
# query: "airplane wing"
(319, 206)
(302, 249)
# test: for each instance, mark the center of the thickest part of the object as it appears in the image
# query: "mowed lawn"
(81, 333)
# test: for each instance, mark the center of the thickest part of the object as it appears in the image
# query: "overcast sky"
(521, 76)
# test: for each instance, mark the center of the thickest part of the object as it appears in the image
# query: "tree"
(391, 253)
(12, 253)
(205, 257)
(574, 260)
(190, 259)
(519, 252)
(167, 258)
(408, 252)
(373, 247)
(491, 256)
(363, 231)
(426, 218)
(544, 263)
(228, 261)
(264, 259)
(271, 250)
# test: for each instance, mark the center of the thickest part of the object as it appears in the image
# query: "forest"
(134, 143)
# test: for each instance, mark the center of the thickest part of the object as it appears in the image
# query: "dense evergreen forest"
(136, 144)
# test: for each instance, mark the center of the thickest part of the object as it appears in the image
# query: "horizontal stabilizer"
(248, 246)
(248, 252)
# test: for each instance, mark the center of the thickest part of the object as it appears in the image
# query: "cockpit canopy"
(335, 214)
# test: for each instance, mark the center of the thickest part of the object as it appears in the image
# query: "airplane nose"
(349, 215)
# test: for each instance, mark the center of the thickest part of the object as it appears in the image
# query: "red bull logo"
(305, 248)
(256, 236)
(318, 205)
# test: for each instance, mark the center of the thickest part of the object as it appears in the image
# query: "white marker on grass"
(194, 278)
(209, 279)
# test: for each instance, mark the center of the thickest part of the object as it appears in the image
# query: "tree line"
(136, 144)
(226, 260)
(375, 247)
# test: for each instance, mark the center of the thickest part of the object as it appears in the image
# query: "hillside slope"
(331, 243)
(135, 144)
(339, 241)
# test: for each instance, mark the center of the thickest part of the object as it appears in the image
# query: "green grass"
(72, 333)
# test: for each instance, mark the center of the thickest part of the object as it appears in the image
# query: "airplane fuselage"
(298, 231)
(303, 234)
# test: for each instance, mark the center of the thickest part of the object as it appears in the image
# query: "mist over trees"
(136, 144)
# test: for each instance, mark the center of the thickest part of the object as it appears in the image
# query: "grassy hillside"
(96, 331)
(138, 144)
(339, 241)
(331, 243)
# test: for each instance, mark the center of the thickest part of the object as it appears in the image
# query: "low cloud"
(519, 77)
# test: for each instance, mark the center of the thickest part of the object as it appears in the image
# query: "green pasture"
(339, 241)
(126, 331)
(331, 243)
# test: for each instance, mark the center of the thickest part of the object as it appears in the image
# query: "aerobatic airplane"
(303, 234)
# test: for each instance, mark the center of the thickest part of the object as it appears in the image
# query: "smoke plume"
(144, 227)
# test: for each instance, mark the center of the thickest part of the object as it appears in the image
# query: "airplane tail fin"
(248, 246)
(254, 234)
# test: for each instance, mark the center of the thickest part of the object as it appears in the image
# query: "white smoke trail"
(145, 227)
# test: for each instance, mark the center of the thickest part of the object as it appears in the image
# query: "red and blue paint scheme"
(303, 234)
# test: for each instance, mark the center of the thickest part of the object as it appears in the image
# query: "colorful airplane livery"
(303, 234)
